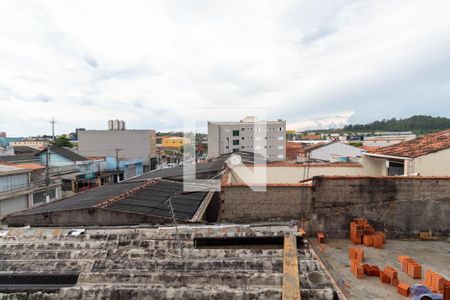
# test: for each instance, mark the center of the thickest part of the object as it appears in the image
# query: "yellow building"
(174, 142)
(36, 144)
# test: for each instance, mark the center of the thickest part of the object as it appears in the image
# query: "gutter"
(387, 156)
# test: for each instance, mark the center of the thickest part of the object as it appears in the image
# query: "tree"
(62, 141)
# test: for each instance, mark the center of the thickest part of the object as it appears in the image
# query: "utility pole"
(47, 174)
(53, 128)
(117, 165)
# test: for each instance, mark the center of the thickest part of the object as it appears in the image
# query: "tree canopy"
(417, 124)
(63, 141)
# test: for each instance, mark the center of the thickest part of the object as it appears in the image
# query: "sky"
(154, 64)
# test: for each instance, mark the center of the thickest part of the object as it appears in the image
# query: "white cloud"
(310, 62)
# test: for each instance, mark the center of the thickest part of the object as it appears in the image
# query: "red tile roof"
(420, 146)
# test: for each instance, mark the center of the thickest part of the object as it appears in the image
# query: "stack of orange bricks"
(410, 267)
(437, 284)
(356, 256)
(390, 276)
(361, 232)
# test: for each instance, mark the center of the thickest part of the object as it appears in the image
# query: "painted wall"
(333, 150)
(133, 144)
(296, 173)
(434, 164)
(56, 160)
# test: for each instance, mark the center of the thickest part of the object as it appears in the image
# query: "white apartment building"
(267, 138)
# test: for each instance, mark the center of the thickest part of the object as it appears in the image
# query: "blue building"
(127, 167)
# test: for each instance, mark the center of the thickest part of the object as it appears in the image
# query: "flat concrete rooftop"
(432, 255)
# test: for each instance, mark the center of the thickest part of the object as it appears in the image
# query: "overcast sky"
(314, 63)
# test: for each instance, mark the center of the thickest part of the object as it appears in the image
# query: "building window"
(242, 129)
(281, 138)
(280, 147)
(235, 132)
(280, 156)
(243, 138)
(235, 142)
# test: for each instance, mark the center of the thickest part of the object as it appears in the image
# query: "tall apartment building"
(267, 138)
(129, 144)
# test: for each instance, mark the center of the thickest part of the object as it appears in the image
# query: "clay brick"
(375, 270)
(320, 237)
(402, 257)
(414, 270)
(394, 282)
(378, 241)
(439, 282)
(368, 240)
(403, 289)
(447, 291)
(390, 272)
(367, 269)
(359, 272)
(384, 278)
(359, 254)
(428, 280)
(382, 234)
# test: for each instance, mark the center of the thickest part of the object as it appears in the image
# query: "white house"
(331, 152)
(428, 155)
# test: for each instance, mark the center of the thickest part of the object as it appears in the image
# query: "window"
(242, 129)
(281, 138)
(281, 129)
(235, 132)
(235, 142)
(243, 138)
(280, 156)
(280, 147)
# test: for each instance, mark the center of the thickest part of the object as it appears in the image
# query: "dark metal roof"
(214, 166)
(19, 158)
(65, 153)
(23, 150)
(85, 199)
(151, 200)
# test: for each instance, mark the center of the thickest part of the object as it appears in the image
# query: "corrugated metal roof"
(85, 199)
(151, 200)
(214, 166)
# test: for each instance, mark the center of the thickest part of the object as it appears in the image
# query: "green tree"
(62, 141)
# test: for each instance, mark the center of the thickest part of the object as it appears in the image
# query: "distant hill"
(417, 124)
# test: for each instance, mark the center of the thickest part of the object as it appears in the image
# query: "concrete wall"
(400, 206)
(240, 203)
(81, 217)
(133, 143)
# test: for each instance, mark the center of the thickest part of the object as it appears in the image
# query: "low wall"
(239, 203)
(400, 206)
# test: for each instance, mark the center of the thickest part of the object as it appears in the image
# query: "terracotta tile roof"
(370, 148)
(30, 166)
(420, 146)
